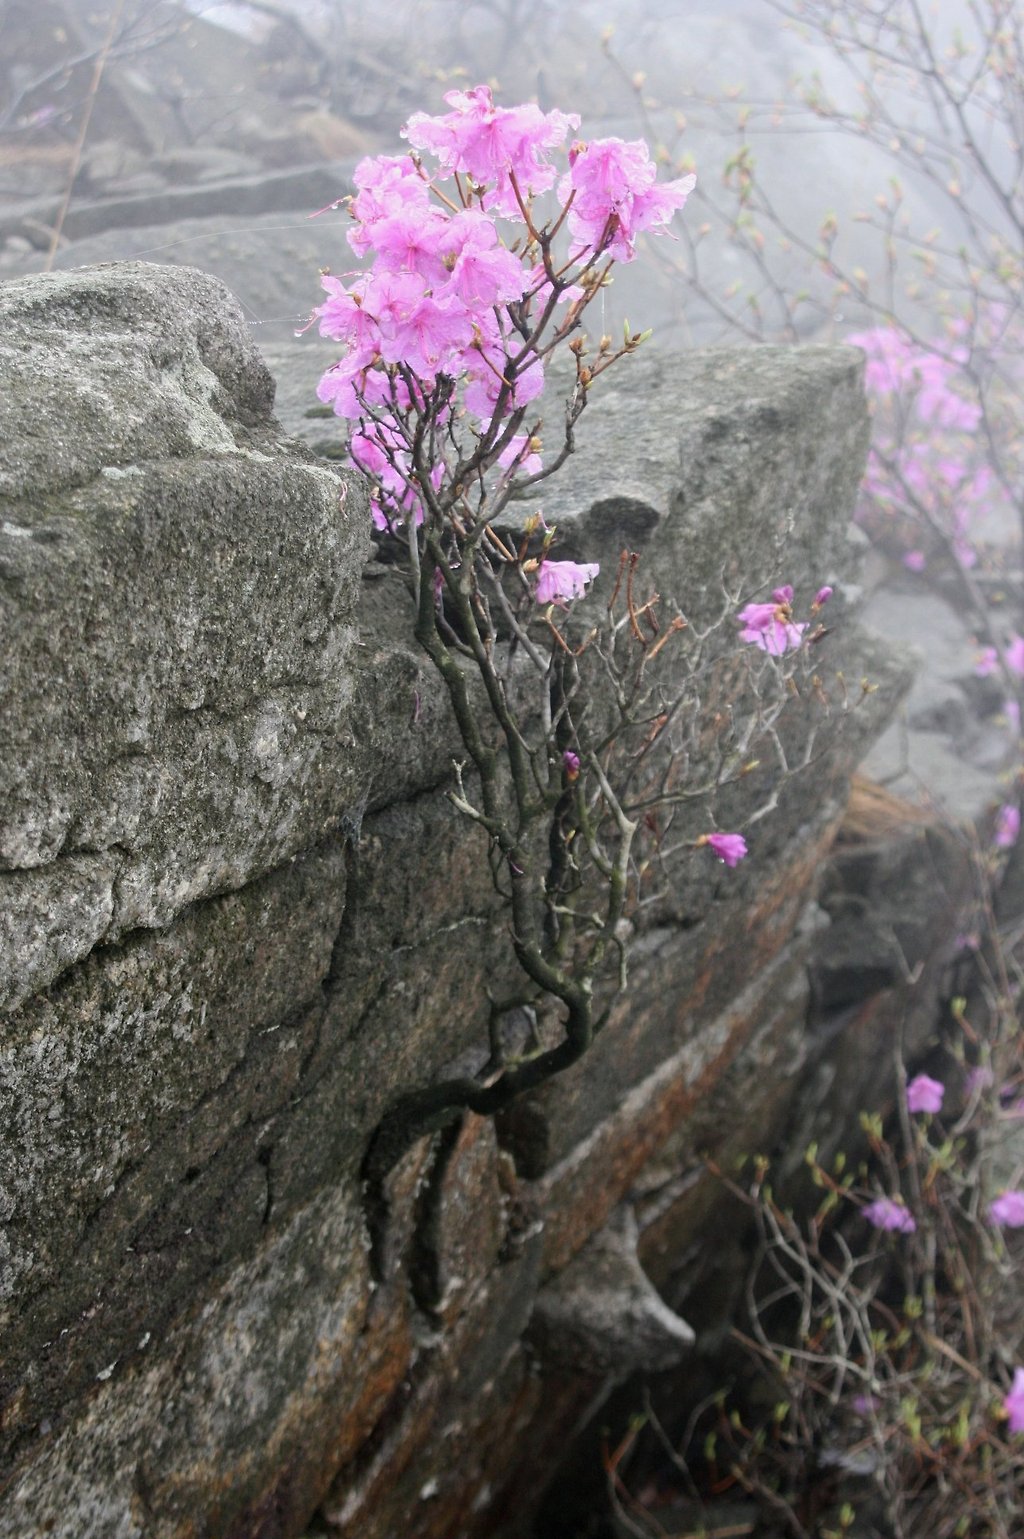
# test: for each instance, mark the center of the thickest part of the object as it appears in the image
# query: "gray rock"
(247, 197)
(156, 751)
(270, 261)
(602, 1315)
(149, 1445)
(241, 921)
(743, 498)
(204, 163)
(941, 750)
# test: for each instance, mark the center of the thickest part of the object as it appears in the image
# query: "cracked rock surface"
(156, 750)
(239, 920)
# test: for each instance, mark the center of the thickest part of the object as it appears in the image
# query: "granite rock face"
(159, 748)
(239, 920)
(722, 453)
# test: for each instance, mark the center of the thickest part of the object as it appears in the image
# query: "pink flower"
(354, 377)
(344, 317)
(1007, 1210)
(1007, 827)
(769, 626)
(822, 597)
(492, 144)
(615, 196)
(429, 338)
(1013, 1403)
(987, 663)
(488, 367)
(924, 1094)
(1015, 655)
(888, 357)
(519, 455)
(914, 561)
(385, 182)
(558, 582)
(571, 765)
(483, 272)
(730, 848)
(865, 1405)
(409, 240)
(379, 449)
(886, 1213)
(759, 617)
(389, 297)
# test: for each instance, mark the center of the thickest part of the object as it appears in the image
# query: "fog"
(263, 89)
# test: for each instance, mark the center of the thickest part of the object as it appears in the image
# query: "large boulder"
(240, 921)
(179, 589)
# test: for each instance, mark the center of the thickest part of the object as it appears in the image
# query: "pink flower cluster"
(920, 481)
(895, 366)
(429, 304)
(612, 185)
(502, 150)
(436, 326)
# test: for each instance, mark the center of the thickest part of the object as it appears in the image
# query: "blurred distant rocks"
(212, 148)
(186, 120)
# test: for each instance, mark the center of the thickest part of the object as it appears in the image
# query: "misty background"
(209, 134)
(193, 105)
